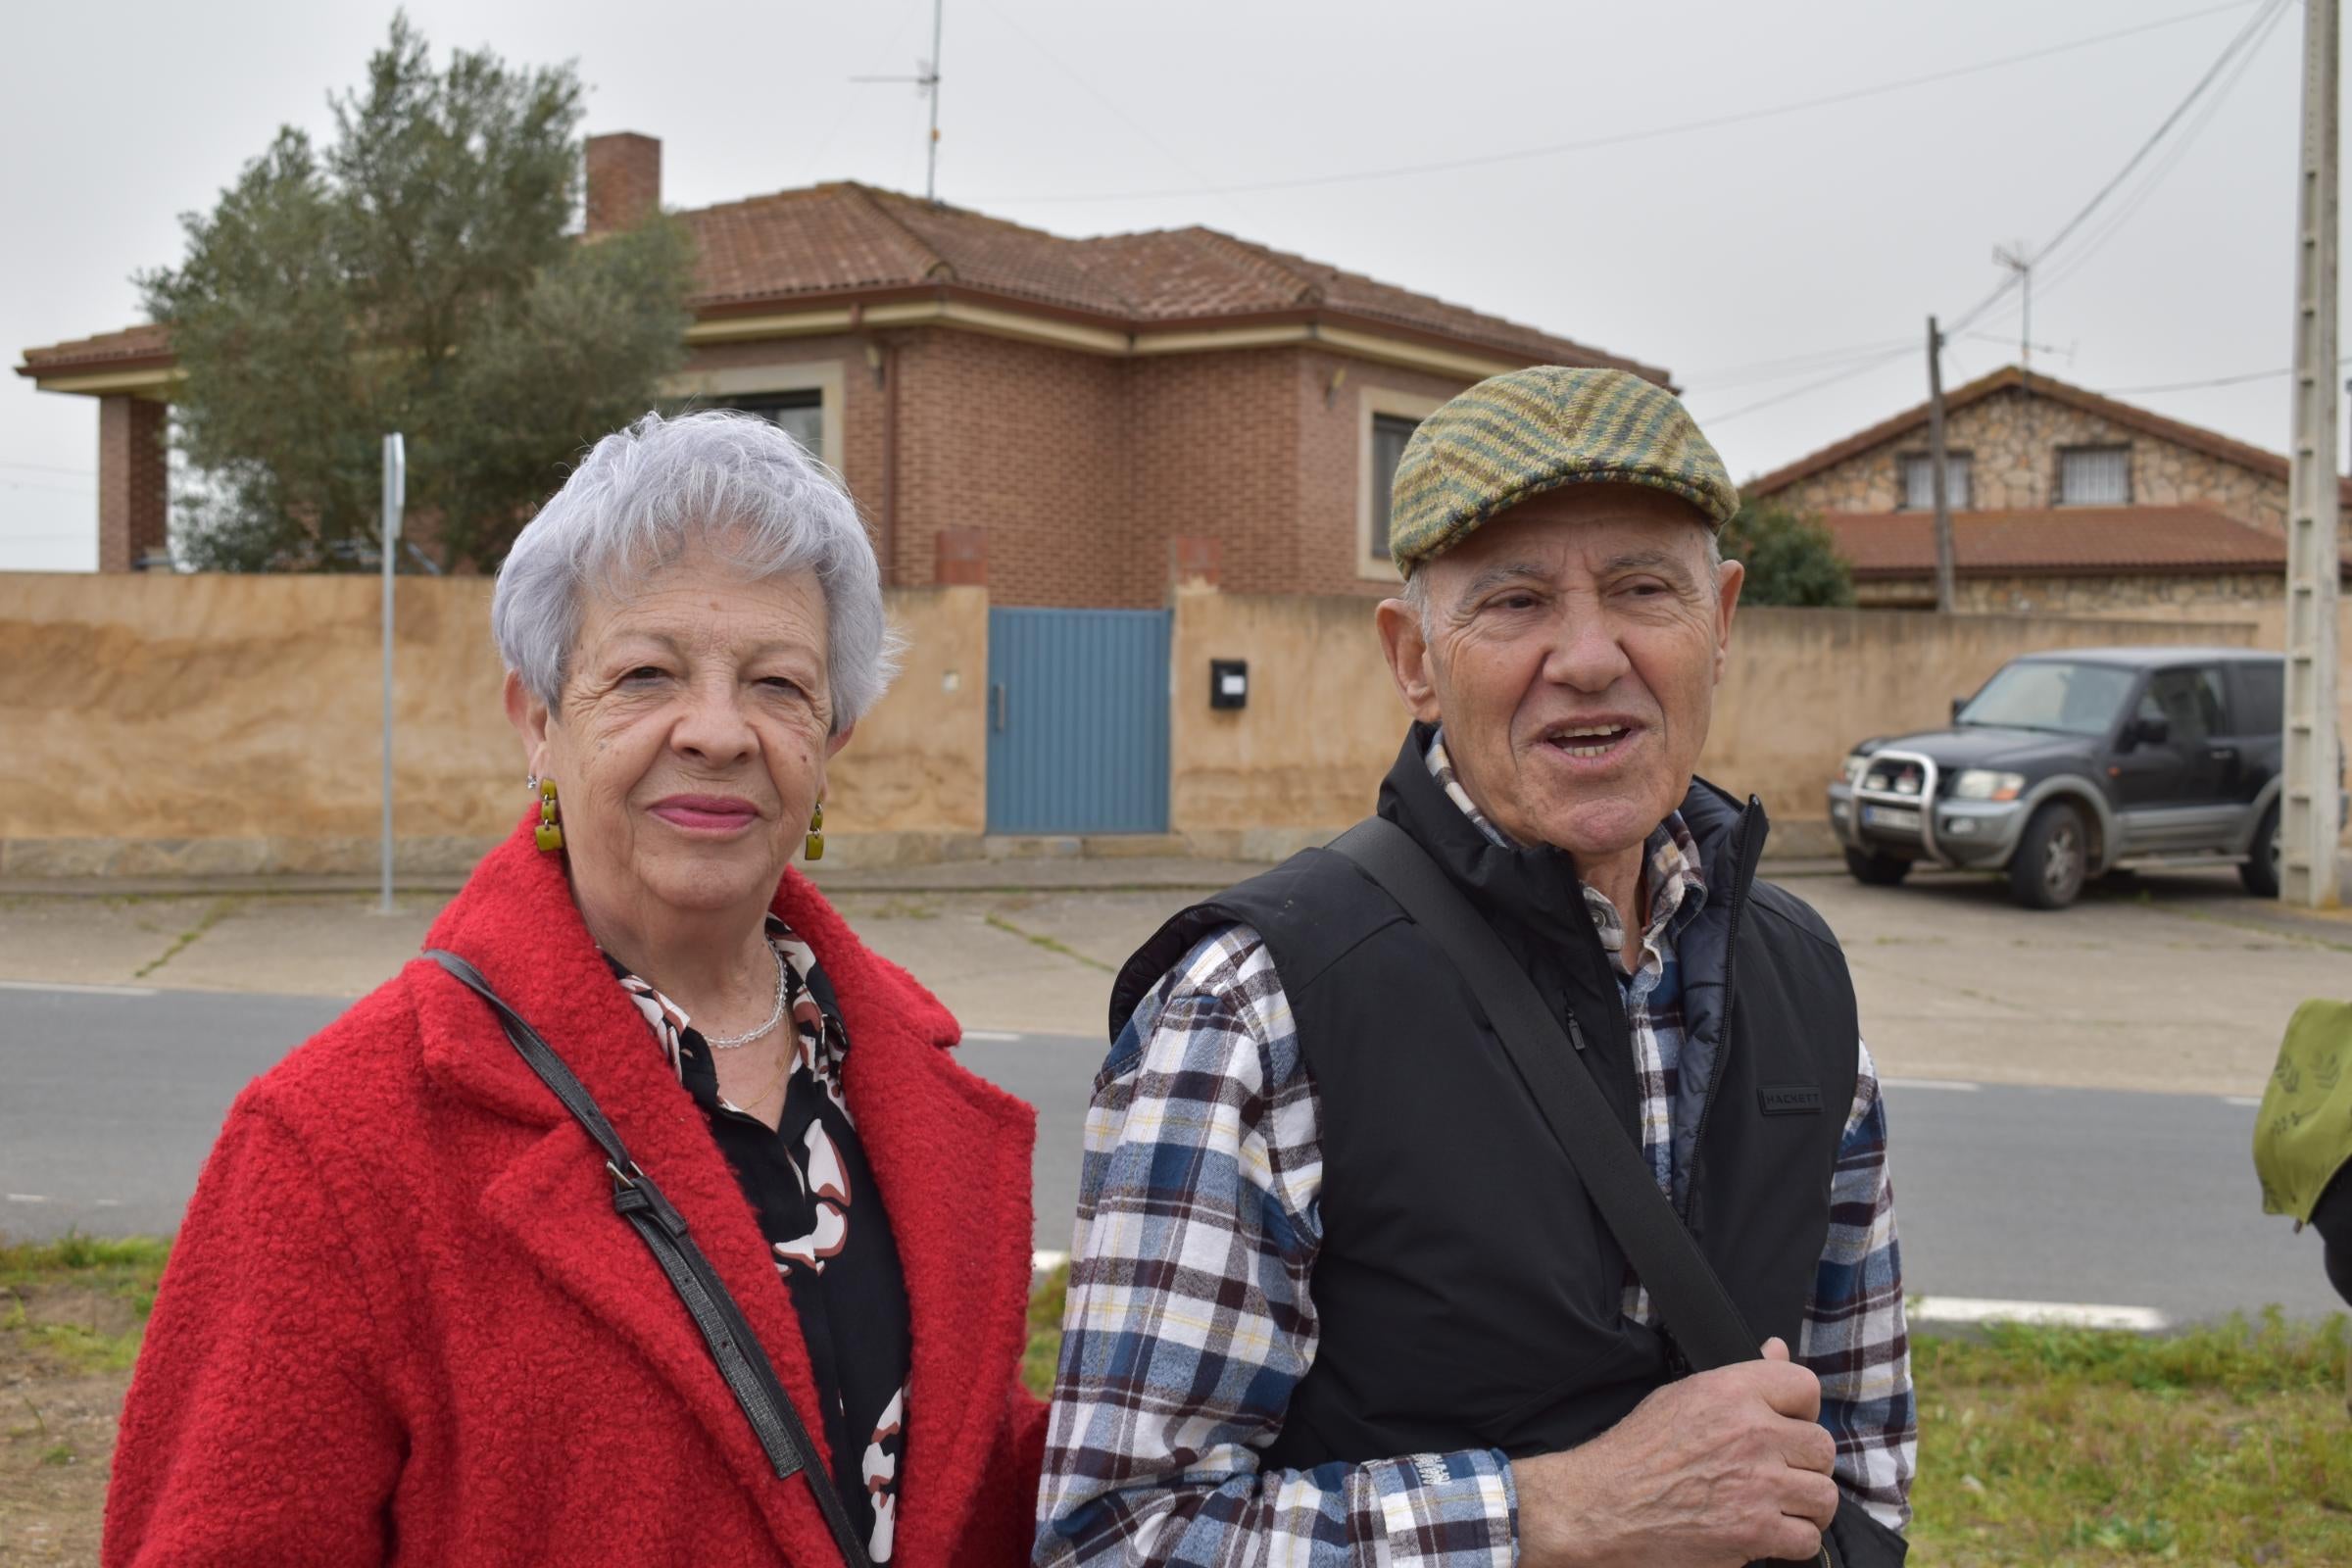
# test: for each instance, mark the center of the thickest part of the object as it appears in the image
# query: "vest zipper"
(1744, 871)
(1576, 1032)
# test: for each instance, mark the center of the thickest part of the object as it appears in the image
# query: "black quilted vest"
(1468, 1293)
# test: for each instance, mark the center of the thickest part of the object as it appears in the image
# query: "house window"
(2095, 477)
(1919, 481)
(1390, 433)
(798, 414)
(1385, 420)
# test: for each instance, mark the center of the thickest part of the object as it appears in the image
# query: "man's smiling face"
(1571, 648)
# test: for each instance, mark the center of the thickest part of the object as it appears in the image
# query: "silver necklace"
(730, 1041)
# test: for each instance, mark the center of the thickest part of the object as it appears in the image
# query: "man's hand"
(1715, 1471)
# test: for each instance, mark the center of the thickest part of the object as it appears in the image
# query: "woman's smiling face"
(691, 737)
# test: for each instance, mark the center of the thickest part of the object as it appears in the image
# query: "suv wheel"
(2259, 871)
(2053, 857)
(1875, 870)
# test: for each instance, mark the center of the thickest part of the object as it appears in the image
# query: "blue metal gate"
(1077, 720)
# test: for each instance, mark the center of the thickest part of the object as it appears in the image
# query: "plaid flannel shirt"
(1188, 1319)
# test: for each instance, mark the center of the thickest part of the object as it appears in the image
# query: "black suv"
(2071, 765)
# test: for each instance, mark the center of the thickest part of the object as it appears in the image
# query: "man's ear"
(1728, 578)
(1409, 656)
(530, 716)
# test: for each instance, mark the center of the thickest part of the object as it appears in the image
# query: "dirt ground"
(57, 1428)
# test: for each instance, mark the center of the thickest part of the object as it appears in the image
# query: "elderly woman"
(425, 1310)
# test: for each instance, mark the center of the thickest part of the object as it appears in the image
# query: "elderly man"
(1339, 1294)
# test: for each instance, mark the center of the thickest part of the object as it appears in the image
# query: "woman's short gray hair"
(732, 482)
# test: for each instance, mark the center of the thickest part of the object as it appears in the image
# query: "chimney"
(624, 181)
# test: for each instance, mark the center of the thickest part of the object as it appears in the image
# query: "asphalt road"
(109, 1100)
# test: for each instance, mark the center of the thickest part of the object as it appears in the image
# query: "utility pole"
(396, 483)
(1947, 594)
(2307, 821)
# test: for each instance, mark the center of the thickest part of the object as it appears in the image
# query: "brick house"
(1073, 421)
(2064, 501)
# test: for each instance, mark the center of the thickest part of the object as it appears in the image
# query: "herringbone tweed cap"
(1536, 429)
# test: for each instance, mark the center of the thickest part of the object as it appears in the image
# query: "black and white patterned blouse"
(809, 1185)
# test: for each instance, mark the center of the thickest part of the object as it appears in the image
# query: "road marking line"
(2067, 1314)
(1047, 1262)
(2253, 1101)
(988, 1034)
(106, 1202)
(1952, 1085)
(76, 990)
(26, 1197)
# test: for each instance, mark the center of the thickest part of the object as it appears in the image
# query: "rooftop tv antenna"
(926, 84)
(2015, 258)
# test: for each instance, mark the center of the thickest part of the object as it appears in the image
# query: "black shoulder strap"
(741, 1362)
(1705, 1323)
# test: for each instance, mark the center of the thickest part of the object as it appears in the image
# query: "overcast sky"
(1831, 230)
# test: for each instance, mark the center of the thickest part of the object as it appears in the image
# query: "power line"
(2171, 159)
(1622, 138)
(1100, 97)
(2245, 35)
(1846, 374)
(2236, 51)
(45, 468)
(1774, 370)
(2218, 380)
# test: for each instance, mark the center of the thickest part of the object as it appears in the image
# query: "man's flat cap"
(1536, 429)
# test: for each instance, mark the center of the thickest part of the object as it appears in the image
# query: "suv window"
(2257, 697)
(2188, 699)
(2051, 694)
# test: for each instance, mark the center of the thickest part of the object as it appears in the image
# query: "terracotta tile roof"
(841, 240)
(2011, 378)
(841, 237)
(147, 342)
(2056, 541)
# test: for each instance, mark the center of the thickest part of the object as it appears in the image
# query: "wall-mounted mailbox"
(1228, 683)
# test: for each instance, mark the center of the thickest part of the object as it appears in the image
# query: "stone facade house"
(2064, 501)
(1075, 422)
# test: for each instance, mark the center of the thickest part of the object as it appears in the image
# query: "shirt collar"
(1675, 880)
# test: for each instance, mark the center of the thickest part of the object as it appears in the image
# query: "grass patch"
(80, 1299)
(2231, 1444)
(1050, 945)
(204, 922)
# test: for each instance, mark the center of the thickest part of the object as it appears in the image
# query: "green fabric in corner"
(2303, 1133)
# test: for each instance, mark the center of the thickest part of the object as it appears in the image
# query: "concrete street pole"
(2307, 821)
(396, 483)
(1947, 592)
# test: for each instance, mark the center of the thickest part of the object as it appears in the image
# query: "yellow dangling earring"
(551, 831)
(814, 848)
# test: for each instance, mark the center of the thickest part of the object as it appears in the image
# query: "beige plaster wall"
(158, 724)
(2012, 439)
(919, 763)
(1803, 685)
(1323, 722)
(1324, 718)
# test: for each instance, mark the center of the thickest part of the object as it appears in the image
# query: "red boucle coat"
(402, 1323)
